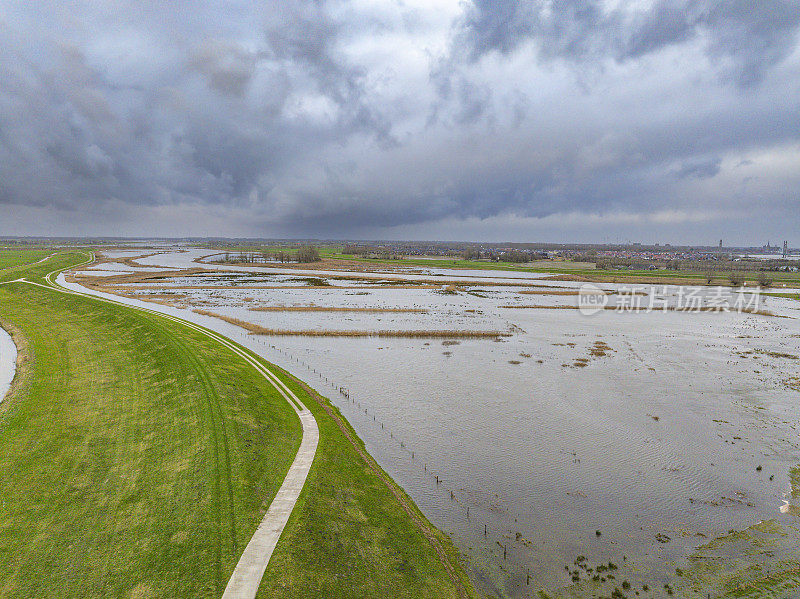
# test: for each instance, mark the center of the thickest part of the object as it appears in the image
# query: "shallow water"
(544, 439)
(8, 362)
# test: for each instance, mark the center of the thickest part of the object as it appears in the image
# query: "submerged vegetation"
(427, 334)
(336, 309)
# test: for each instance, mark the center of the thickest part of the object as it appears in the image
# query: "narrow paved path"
(246, 577)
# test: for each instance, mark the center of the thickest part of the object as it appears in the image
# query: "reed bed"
(128, 260)
(349, 266)
(576, 278)
(549, 292)
(539, 307)
(141, 277)
(648, 309)
(213, 287)
(423, 334)
(165, 299)
(163, 302)
(445, 282)
(336, 309)
(624, 293)
(388, 282)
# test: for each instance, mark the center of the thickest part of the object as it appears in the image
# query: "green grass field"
(564, 268)
(554, 267)
(137, 456)
(11, 258)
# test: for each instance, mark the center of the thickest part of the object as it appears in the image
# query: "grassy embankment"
(15, 258)
(137, 457)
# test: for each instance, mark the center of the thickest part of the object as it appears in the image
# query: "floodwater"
(8, 362)
(628, 437)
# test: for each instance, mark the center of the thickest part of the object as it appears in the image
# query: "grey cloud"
(227, 66)
(303, 34)
(327, 120)
(752, 36)
(704, 169)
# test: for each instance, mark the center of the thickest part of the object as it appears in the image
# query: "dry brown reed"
(335, 309)
(127, 260)
(577, 292)
(259, 330)
(649, 309)
(213, 287)
(549, 291)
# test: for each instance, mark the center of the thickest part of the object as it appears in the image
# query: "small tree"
(471, 254)
(308, 253)
(709, 276)
(736, 279)
(764, 279)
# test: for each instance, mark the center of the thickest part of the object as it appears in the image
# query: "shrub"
(307, 253)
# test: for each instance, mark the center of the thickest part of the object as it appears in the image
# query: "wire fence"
(498, 542)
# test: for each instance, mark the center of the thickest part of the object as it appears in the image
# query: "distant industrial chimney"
(785, 249)
(720, 244)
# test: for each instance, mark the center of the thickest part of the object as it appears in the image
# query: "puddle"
(8, 362)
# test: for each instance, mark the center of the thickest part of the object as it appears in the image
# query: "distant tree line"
(471, 253)
(519, 256)
(305, 254)
(367, 251)
(721, 265)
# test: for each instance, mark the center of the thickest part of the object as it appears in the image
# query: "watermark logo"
(591, 299)
(652, 298)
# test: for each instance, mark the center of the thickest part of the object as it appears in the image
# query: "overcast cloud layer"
(556, 120)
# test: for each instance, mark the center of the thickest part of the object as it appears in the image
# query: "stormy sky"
(547, 120)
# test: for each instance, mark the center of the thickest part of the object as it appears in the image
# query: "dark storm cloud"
(321, 118)
(753, 36)
(704, 169)
(228, 67)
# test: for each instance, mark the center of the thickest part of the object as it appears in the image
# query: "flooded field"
(664, 443)
(8, 362)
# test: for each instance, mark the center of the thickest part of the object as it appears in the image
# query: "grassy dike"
(137, 457)
(12, 258)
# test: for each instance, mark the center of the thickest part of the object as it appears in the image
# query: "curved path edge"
(247, 575)
(8, 369)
